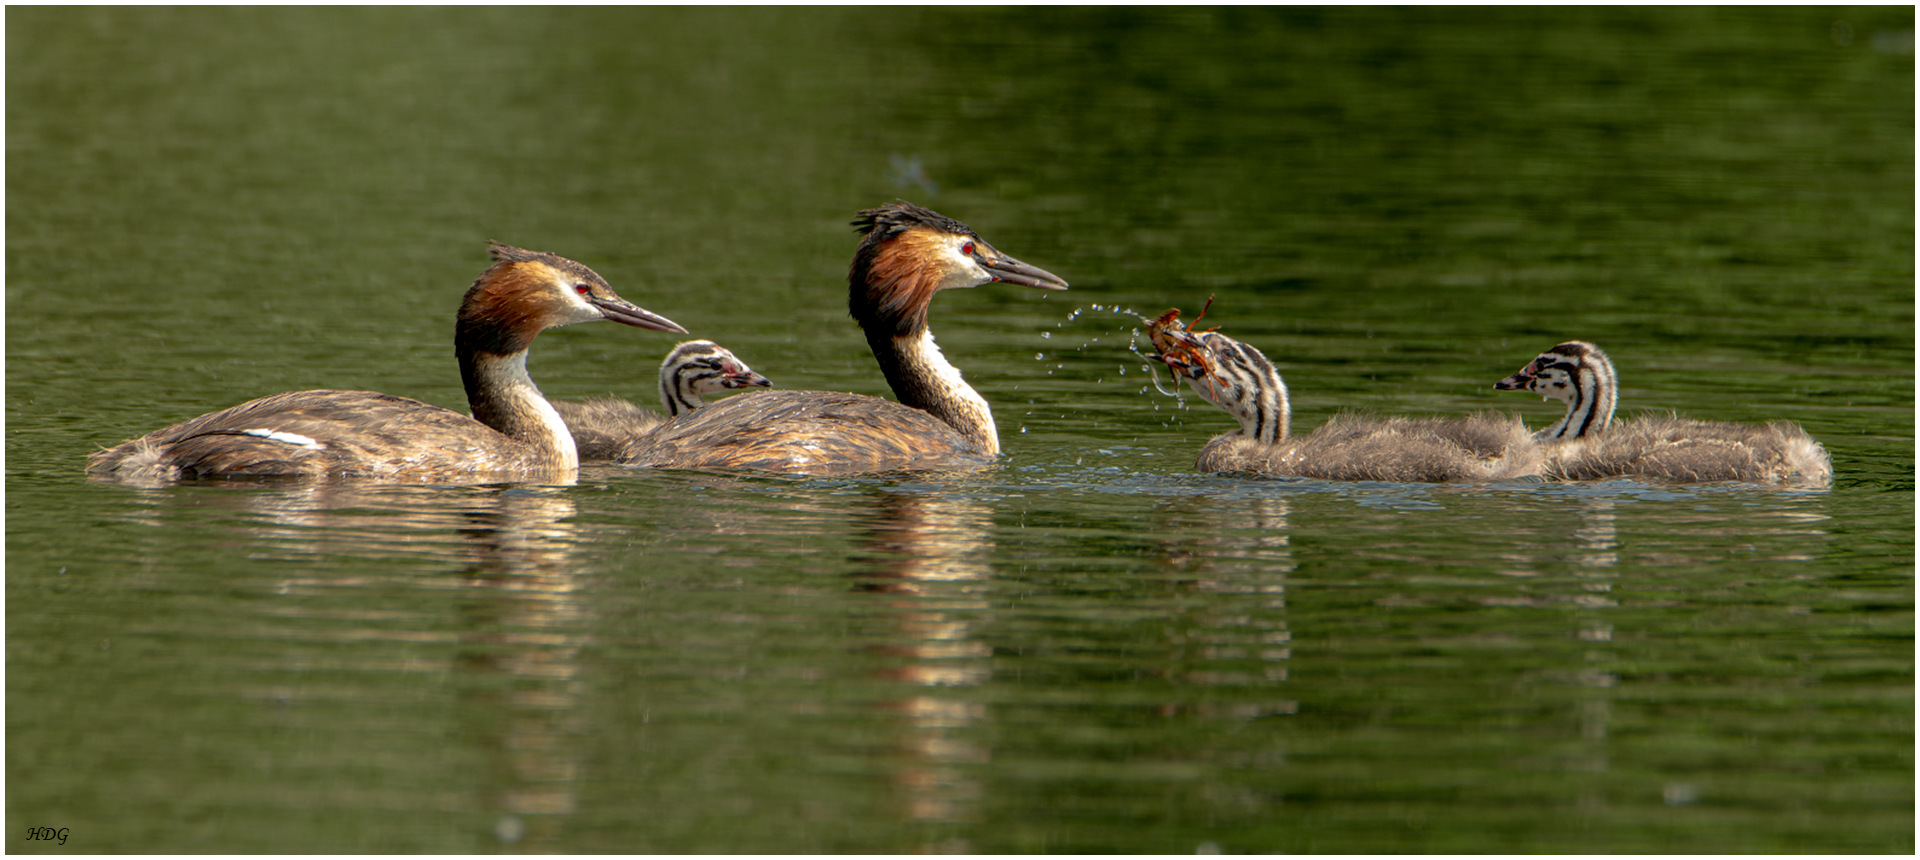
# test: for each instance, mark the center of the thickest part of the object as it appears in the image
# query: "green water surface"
(1086, 647)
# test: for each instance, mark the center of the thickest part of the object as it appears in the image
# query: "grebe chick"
(368, 434)
(907, 254)
(1239, 379)
(1586, 444)
(693, 369)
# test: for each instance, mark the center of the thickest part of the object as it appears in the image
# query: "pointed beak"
(745, 379)
(622, 311)
(1181, 366)
(1013, 271)
(1518, 382)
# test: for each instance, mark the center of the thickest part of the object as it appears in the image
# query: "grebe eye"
(967, 249)
(583, 289)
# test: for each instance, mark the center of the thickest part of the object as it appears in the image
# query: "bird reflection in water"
(530, 632)
(476, 589)
(1239, 550)
(930, 554)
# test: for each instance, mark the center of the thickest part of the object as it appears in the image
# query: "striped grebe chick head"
(1231, 375)
(1578, 374)
(697, 368)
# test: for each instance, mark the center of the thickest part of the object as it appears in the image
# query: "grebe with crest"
(602, 426)
(514, 431)
(1586, 443)
(907, 255)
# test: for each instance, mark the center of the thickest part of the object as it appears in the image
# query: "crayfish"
(1178, 347)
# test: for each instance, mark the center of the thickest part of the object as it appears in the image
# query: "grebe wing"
(601, 427)
(1687, 450)
(311, 433)
(818, 432)
(1360, 447)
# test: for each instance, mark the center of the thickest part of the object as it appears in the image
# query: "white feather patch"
(289, 438)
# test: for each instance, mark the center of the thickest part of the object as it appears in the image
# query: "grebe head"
(1554, 374)
(526, 292)
(909, 253)
(700, 367)
(1576, 373)
(1231, 375)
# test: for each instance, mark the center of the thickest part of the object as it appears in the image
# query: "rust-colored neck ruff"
(893, 281)
(895, 274)
(499, 318)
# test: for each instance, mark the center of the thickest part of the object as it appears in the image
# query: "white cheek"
(1210, 389)
(967, 272)
(578, 310)
(1559, 387)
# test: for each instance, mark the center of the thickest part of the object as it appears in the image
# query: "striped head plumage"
(700, 367)
(1578, 374)
(1231, 375)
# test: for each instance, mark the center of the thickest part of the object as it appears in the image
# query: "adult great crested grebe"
(514, 431)
(907, 255)
(1586, 444)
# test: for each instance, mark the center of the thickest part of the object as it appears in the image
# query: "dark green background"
(1086, 648)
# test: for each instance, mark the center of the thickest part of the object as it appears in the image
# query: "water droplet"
(509, 829)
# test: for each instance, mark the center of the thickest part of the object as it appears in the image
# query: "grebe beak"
(745, 379)
(1013, 271)
(622, 311)
(1182, 367)
(1517, 382)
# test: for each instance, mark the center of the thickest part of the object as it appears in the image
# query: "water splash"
(1137, 343)
(1154, 375)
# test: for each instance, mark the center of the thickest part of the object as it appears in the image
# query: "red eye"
(967, 249)
(583, 289)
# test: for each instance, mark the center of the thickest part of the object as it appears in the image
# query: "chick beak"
(1518, 382)
(1179, 366)
(745, 379)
